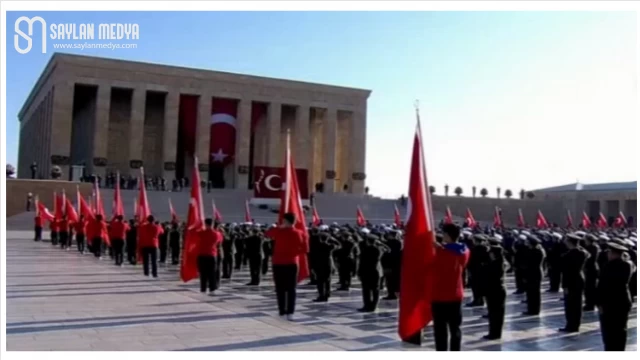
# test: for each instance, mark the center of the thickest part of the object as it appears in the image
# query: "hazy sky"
(508, 99)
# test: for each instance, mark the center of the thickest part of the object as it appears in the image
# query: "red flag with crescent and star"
(247, 213)
(541, 221)
(586, 222)
(602, 221)
(396, 216)
(216, 214)
(143, 203)
(448, 217)
(42, 211)
(360, 219)
(569, 219)
(497, 219)
(315, 218)
(222, 146)
(195, 223)
(117, 208)
(416, 279)
(521, 222)
(620, 221)
(174, 216)
(471, 221)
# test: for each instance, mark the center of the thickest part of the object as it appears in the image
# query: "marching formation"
(422, 265)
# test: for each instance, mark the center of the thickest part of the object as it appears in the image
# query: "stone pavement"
(59, 300)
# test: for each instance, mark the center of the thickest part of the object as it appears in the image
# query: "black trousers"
(118, 250)
(163, 250)
(285, 278)
(38, 233)
(150, 255)
(132, 251)
(345, 270)
(54, 238)
(613, 326)
(392, 278)
(533, 296)
(238, 259)
(227, 266)
(520, 281)
(218, 271)
(496, 299)
(175, 253)
(265, 265)
(96, 244)
(80, 242)
(255, 268)
(573, 308)
(370, 290)
(590, 286)
(555, 275)
(447, 317)
(323, 283)
(206, 271)
(64, 237)
(476, 288)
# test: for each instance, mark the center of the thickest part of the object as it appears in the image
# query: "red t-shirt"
(53, 225)
(96, 229)
(288, 244)
(78, 227)
(118, 230)
(38, 220)
(148, 235)
(63, 225)
(449, 264)
(208, 241)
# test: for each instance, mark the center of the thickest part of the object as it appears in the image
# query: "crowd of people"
(594, 269)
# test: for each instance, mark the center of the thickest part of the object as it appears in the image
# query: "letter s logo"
(30, 22)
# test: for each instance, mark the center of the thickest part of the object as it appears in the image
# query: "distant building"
(608, 198)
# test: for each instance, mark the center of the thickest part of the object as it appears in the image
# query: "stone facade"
(112, 115)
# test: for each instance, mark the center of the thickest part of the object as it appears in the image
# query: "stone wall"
(18, 189)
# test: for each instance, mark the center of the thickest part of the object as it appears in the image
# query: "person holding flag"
(148, 234)
(208, 246)
(98, 233)
(117, 233)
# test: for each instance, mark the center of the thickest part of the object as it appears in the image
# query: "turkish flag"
(315, 218)
(541, 222)
(497, 219)
(268, 182)
(471, 221)
(602, 221)
(216, 214)
(247, 213)
(396, 216)
(174, 216)
(416, 277)
(195, 223)
(222, 144)
(85, 209)
(59, 205)
(620, 221)
(70, 211)
(117, 208)
(143, 203)
(99, 206)
(290, 202)
(569, 219)
(586, 222)
(42, 211)
(448, 217)
(521, 222)
(360, 219)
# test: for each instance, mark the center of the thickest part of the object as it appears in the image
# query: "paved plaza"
(61, 300)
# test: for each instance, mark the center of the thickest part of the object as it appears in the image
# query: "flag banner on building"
(258, 114)
(195, 223)
(448, 217)
(269, 182)
(360, 219)
(416, 279)
(471, 221)
(222, 144)
(290, 202)
(396, 216)
(117, 208)
(586, 222)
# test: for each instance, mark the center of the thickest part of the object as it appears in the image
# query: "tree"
(498, 192)
(56, 172)
(484, 192)
(446, 190)
(10, 171)
(458, 191)
(508, 194)
(473, 191)
(521, 194)
(432, 189)
(530, 195)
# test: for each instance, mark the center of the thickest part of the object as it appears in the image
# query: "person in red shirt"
(448, 291)
(53, 227)
(209, 240)
(78, 228)
(117, 234)
(38, 227)
(288, 244)
(63, 232)
(97, 232)
(148, 233)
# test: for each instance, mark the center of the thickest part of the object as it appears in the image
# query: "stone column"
(243, 142)
(203, 132)
(136, 130)
(329, 148)
(274, 158)
(357, 151)
(170, 136)
(101, 130)
(303, 144)
(61, 120)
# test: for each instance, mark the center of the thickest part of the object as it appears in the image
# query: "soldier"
(132, 242)
(253, 252)
(554, 264)
(535, 256)
(163, 243)
(229, 252)
(370, 271)
(174, 243)
(477, 262)
(614, 298)
(392, 272)
(519, 263)
(324, 265)
(267, 251)
(495, 290)
(347, 255)
(591, 272)
(573, 262)
(238, 242)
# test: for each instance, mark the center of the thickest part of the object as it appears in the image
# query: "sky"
(509, 99)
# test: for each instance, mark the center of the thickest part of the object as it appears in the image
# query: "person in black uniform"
(174, 243)
(633, 256)
(591, 272)
(132, 242)
(495, 290)
(519, 264)
(370, 271)
(392, 272)
(238, 242)
(267, 251)
(535, 256)
(229, 250)
(573, 262)
(346, 258)
(314, 240)
(163, 243)
(253, 251)
(557, 249)
(613, 298)
(477, 262)
(324, 265)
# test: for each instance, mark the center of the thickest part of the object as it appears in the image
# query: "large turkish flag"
(222, 146)
(268, 182)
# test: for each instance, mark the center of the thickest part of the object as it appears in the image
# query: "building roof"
(617, 186)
